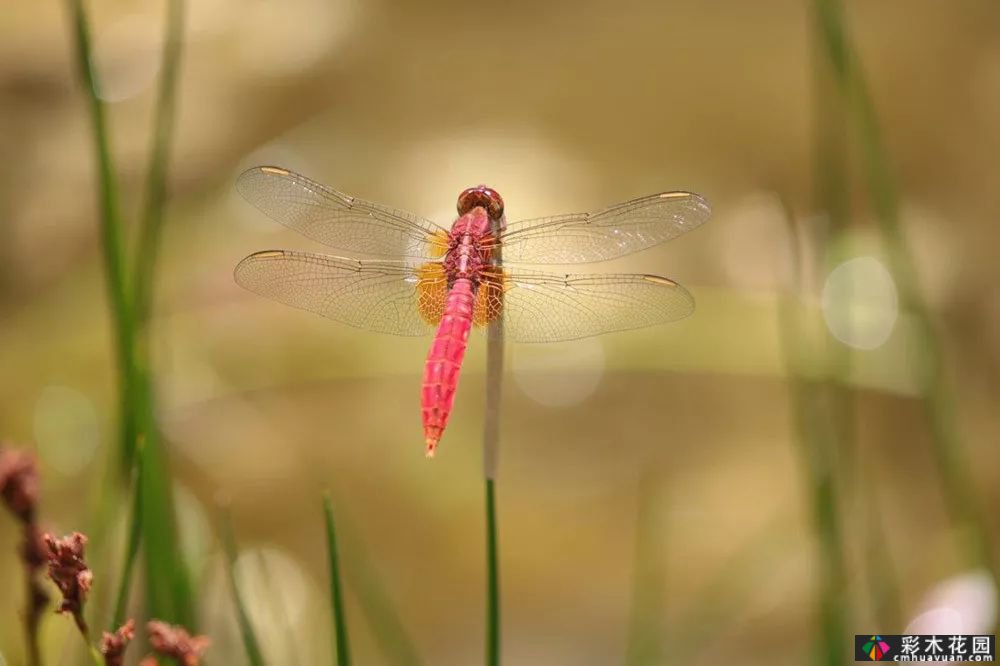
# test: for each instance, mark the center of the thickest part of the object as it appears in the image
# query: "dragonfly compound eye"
(481, 196)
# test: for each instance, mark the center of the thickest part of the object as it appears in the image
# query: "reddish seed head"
(481, 196)
(69, 571)
(113, 645)
(174, 641)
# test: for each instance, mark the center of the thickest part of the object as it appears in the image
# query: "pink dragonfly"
(453, 280)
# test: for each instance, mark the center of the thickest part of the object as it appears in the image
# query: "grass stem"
(383, 620)
(111, 228)
(813, 415)
(341, 647)
(646, 631)
(250, 643)
(151, 229)
(36, 599)
(491, 446)
(134, 538)
(948, 446)
(492, 580)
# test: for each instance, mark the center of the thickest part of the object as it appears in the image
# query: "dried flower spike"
(34, 550)
(173, 641)
(113, 645)
(19, 491)
(69, 572)
(19, 483)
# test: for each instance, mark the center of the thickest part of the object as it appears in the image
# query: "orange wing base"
(489, 298)
(432, 293)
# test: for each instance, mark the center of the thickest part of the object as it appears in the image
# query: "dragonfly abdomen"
(444, 361)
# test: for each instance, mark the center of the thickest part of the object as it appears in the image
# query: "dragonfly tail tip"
(431, 447)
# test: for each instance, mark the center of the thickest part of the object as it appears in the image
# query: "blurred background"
(803, 447)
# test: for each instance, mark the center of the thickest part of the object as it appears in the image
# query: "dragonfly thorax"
(466, 258)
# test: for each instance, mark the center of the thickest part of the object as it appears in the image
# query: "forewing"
(338, 220)
(383, 296)
(606, 234)
(545, 307)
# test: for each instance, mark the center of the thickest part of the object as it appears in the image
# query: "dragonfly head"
(481, 196)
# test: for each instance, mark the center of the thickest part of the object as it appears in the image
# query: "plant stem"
(833, 199)
(274, 590)
(250, 642)
(31, 624)
(111, 231)
(494, 385)
(95, 656)
(645, 636)
(388, 629)
(492, 580)
(37, 598)
(168, 587)
(341, 646)
(936, 395)
(132, 545)
(882, 576)
(814, 417)
(151, 230)
(168, 582)
(491, 445)
(169, 595)
(84, 631)
(490, 441)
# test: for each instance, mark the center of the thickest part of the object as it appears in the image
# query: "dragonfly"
(429, 279)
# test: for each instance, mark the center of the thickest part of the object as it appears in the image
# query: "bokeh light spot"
(127, 55)
(559, 375)
(275, 591)
(192, 524)
(282, 38)
(66, 429)
(963, 604)
(860, 305)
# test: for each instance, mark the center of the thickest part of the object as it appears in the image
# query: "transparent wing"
(408, 299)
(384, 296)
(606, 234)
(339, 220)
(544, 307)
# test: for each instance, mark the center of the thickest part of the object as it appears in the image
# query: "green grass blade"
(168, 588)
(645, 637)
(937, 397)
(134, 538)
(882, 578)
(166, 571)
(111, 232)
(492, 580)
(395, 644)
(151, 229)
(341, 647)
(728, 594)
(818, 449)
(168, 584)
(491, 452)
(833, 198)
(274, 590)
(250, 643)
